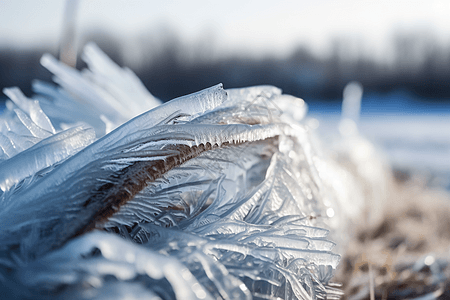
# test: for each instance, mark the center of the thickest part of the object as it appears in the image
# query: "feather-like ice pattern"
(84, 91)
(133, 131)
(104, 89)
(194, 184)
(102, 192)
(223, 190)
(98, 259)
(30, 141)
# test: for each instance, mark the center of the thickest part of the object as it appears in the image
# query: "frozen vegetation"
(106, 193)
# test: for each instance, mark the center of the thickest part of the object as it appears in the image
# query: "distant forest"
(420, 65)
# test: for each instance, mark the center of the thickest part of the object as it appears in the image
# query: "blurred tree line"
(170, 67)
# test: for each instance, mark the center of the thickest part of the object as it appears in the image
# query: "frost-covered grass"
(406, 253)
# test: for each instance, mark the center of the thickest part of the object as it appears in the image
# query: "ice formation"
(220, 194)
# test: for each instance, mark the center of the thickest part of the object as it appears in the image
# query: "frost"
(96, 259)
(133, 133)
(220, 194)
(122, 84)
(104, 89)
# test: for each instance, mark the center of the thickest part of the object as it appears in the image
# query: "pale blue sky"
(254, 26)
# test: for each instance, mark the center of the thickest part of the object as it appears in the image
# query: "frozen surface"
(410, 143)
(218, 194)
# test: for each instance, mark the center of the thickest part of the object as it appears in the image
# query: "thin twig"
(371, 282)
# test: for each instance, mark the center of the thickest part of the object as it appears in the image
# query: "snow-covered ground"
(410, 141)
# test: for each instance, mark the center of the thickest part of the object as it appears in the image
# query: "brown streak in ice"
(130, 181)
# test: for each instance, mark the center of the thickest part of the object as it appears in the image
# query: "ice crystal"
(109, 193)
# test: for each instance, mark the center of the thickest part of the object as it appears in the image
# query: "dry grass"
(406, 254)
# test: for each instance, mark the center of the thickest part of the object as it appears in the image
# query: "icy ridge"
(37, 202)
(192, 104)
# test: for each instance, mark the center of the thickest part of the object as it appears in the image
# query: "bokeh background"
(398, 50)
